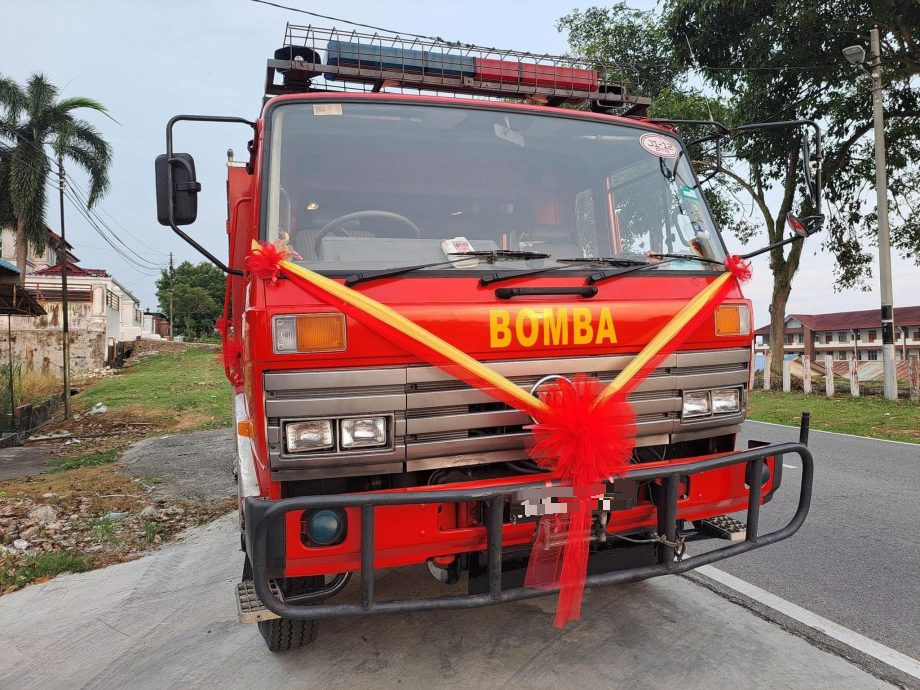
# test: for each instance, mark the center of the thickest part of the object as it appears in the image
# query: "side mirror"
(799, 227)
(183, 197)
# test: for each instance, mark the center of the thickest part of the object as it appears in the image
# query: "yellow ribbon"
(461, 359)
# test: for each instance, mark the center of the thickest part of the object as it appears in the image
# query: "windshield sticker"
(689, 193)
(696, 214)
(327, 109)
(659, 145)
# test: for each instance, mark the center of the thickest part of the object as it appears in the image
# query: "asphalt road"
(168, 621)
(856, 560)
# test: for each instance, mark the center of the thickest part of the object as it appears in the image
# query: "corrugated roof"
(7, 266)
(845, 320)
(72, 270)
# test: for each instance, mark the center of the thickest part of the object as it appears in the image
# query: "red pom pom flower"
(584, 440)
(739, 268)
(264, 261)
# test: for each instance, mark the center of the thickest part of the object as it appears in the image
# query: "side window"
(586, 223)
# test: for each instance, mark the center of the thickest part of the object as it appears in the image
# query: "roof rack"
(316, 59)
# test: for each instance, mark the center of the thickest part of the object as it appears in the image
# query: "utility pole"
(65, 306)
(884, 242)
(171, 287)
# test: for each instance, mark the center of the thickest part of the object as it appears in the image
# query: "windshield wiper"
(365, 276)
(687, 257)
(491, 256)
(566, 263)
(666, 259)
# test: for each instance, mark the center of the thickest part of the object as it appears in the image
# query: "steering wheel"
(336, 225)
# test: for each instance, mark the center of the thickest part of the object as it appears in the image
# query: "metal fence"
(10, 391)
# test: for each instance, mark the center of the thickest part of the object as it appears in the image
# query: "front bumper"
(261, 515)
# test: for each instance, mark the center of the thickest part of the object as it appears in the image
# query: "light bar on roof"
(437, 64)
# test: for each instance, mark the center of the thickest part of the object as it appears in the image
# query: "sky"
(148, 60)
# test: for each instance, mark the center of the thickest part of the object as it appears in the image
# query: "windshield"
(358, 185)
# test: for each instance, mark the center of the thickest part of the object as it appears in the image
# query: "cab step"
(724, 527)
(249, 607)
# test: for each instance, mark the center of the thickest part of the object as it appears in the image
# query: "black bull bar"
(261, 514)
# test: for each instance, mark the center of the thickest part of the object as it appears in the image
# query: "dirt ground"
(89, 517)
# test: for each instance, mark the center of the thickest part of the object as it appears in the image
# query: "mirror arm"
(781, 243)
(818, 216)
(196, 186)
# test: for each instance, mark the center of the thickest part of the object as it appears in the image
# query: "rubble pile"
(107, 528)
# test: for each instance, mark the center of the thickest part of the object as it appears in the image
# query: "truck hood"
(624, 315)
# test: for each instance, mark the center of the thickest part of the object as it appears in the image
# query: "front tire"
(285, 634)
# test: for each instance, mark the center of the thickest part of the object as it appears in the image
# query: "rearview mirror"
(183, 197)
(799, 227)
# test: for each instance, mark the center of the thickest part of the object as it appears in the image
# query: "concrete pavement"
(168, 621)
(855, 560)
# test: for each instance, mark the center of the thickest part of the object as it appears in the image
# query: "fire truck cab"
(493, 199)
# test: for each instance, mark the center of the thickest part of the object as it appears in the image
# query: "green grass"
(92, 460)
(151, 530)
(864, 416)
(46, 564)
(191, 382)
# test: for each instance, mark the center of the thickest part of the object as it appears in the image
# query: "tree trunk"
(22, 249)
(781, 290)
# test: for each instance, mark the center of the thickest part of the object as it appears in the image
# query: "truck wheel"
(284, 634)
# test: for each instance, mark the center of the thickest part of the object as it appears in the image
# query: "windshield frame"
(265, 162)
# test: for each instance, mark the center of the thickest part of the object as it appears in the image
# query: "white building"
(102, 312)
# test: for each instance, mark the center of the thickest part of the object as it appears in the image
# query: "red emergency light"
(355, 61)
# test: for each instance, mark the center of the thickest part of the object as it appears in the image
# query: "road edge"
(810, 634)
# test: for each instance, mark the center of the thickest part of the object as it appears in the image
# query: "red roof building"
(846, 334)
(72, 270)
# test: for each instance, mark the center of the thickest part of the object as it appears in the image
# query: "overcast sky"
(148, 60)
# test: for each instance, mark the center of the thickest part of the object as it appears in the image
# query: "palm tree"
(31, 119)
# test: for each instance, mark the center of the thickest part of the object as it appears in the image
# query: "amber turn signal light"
(733, 319)
(307, 333)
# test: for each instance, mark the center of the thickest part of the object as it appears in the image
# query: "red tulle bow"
(585, 441)
(265, 260)
(738, 267)
(231, 352)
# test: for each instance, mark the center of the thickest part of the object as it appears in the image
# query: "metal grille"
(442, 422)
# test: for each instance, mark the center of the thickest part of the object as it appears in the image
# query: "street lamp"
(856, 55)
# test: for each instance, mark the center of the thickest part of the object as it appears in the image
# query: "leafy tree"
(198, 297)
(32, 118)
(7, 217)
(781, 60)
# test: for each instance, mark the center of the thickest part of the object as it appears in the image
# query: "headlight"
(305, 436)
(726, 400)
(696, 404)
(364, 432)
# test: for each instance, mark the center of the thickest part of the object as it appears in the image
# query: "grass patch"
(188, 386)
(43, 566)
(151, 531)
(874, 417)
(92, 460)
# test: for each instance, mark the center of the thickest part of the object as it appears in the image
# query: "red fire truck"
(526, 210)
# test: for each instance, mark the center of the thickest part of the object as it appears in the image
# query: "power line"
(91, 218)
(622, 65)
(80, 193)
